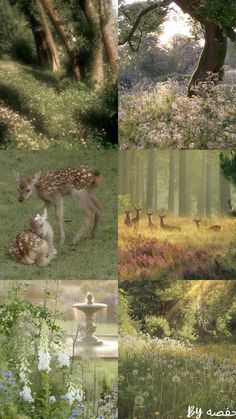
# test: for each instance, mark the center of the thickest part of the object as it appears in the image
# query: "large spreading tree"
(216, 17)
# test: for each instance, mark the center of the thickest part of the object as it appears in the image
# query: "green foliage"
(123, 203)
(228, 166)
(23, 51)
(126, 326)
(157, 326)
(221, 11)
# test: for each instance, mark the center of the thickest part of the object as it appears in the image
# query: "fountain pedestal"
(90, 309)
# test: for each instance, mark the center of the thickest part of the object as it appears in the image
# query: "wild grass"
(89, 259)
(161, 378)
(187, 254)
(161, 115)
(40, 110)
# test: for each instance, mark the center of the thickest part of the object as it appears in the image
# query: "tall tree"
(171, 189)
(183, 202)
(201, 197)
(208, 187)
(46, 47)
(74, 55)
(109, 32)
(150, 178)
(224, 194)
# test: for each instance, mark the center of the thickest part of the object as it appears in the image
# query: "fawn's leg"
(88, 206)
(97, 214)
(58, 205)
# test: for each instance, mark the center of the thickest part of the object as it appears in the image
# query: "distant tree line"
(184, 183)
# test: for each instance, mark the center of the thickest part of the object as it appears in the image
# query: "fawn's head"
(197, 221)
(149, 213)
(128, 212)
(138, 209)
(39, 225)
(162, 216)
(26, 185)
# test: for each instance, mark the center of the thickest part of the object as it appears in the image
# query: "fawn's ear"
(45, 214)
(17, 175)
(36, 177)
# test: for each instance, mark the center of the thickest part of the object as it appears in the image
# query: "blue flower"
(8, 374)
(75, 414)
(12, 381)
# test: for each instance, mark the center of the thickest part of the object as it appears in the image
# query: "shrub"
(157, 326)
(23, 51)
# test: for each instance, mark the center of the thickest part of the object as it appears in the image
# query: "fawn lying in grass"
(34, 245)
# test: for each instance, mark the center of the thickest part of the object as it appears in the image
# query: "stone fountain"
(90, 309)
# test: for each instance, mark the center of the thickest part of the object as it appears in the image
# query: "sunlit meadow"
(161, 378)
(161, 115)
(190, 253)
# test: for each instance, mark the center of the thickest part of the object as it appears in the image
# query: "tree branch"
(230, 33)
(140, 16)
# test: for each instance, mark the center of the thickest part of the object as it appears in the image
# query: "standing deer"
(197, 221)
(150, 223)
(136, 219)
(79, 181)
(167, 226)
(34, 245)
(127, 220)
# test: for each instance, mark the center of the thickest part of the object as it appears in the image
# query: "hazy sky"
(176, 24)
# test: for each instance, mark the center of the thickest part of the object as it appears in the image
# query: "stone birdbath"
(90, 308)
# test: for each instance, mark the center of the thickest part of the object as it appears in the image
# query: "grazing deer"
(197, 221)
(150, 223)
(35, 245)
(167, 226)
(79, 182)
(127, 220)
(215, 227)
(136, 219)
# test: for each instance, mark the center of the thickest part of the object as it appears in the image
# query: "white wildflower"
(26, 395)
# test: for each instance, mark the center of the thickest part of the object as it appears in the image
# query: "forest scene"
(177, 348)
(93, 258)
(177, 74)
(177, 215)
(58, 74)
(45, 371)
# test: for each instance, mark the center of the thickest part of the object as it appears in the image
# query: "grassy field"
(89, 259)
(187, 254)
(41, 110)
(162, 378)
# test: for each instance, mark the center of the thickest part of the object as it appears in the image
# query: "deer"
(127, 220)
(79, 182)
(34, 245)
(150, 223)
(135, 220)
(197, 221)
(216, 228)
(167, 226)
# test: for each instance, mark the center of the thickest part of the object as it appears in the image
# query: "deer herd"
(35, 244)
(129, 221)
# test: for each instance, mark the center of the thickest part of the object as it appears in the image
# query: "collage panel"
(79, 244)
(59, 349)
(177, 215)
(177, 353)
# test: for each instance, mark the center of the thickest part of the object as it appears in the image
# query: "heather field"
(189, 253)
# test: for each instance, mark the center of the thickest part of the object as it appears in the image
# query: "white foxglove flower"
(63, 360)
(74, 394)
(26, 395)
(22, 376)
(52, 399)
(44, 361)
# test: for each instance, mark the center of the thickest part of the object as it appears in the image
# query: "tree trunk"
(138, 189)
(211, 62)
(109, 32)
(45, 45)
(183, 210)
(208, 189)
(75, 58)
(150, 179)
(202, 187)
(171, 191)
(225, 195)
(214, 52)
(96, 64)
